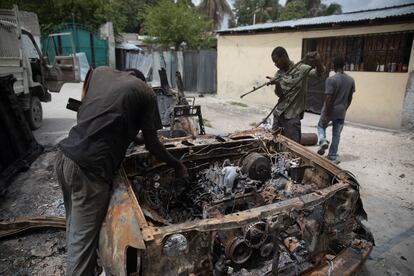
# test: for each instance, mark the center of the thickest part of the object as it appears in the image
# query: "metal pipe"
(308, 139)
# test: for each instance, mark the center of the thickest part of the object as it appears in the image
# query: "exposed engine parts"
(256, 234)
(256, 166)
(231, 190)
(227, 187)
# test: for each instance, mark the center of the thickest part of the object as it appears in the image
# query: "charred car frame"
(258, 203)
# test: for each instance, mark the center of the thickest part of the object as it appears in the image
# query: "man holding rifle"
(291, 86)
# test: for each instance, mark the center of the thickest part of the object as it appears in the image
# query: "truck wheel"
(34, 115)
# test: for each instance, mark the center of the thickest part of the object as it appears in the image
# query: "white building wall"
(244, 60)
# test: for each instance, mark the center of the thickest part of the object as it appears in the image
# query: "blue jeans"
(337, 126)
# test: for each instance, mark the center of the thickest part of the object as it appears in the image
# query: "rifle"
(254, 89)
(267, 83)
(287, 92)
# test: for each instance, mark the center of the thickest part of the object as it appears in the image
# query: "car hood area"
(256, 203)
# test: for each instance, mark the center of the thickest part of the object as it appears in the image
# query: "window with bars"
(387, 52)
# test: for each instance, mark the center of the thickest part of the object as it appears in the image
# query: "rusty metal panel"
(121, 227)
(255, 225)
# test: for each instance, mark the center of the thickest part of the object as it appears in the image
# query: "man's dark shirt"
(116, 107)
(340, 86)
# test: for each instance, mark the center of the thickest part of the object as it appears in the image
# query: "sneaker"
(334, 160)
(324, 146)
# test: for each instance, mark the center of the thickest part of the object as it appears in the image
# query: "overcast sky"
(357, 5)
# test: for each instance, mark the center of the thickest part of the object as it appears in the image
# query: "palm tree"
(333, 8)
(316, 8)
(266, 10)
(256, 11)
(216, 10)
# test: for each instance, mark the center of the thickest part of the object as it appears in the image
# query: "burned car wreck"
(257, 204)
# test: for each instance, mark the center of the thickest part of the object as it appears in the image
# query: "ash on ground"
(33, 193)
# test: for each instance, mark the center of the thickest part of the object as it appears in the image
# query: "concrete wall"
(243, 61)
(107, 31)
(408, 108)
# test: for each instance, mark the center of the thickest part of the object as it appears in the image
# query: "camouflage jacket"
(292, 99)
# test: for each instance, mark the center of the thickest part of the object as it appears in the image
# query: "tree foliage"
(333, 8)
(261, 10)
(126, 15)
(294, 9)
(216, 10)
(131, 11)
(317, 8)
(270, 10)
(173, 24)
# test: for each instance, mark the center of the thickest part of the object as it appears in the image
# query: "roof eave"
(408, 18)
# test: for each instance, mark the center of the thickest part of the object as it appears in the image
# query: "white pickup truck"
(21, 56)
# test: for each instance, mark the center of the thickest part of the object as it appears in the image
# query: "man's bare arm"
(154, 146)
(350, 95)
(278, 88)
(349, 100)
(328, 105)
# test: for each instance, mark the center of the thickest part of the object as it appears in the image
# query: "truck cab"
(21, 56)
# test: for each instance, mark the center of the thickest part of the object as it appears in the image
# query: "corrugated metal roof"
(350, 17)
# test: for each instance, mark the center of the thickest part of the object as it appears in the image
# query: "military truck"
(21, 56)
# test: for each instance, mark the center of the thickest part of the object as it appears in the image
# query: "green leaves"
(294, 10)
(262, 10)
(174, 24)
(333, 8)
(215, 9)
(270, 10)
(92, 13)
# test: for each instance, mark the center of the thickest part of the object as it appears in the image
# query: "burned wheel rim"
(35, 113)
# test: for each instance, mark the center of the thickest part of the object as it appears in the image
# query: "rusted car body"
(258, 203)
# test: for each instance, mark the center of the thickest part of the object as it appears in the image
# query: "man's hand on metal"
(313, 57)
(182, 181)
(314, 60)
(181, 171)
(272, 80)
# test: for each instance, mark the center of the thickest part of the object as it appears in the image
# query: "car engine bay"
(246, 175)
